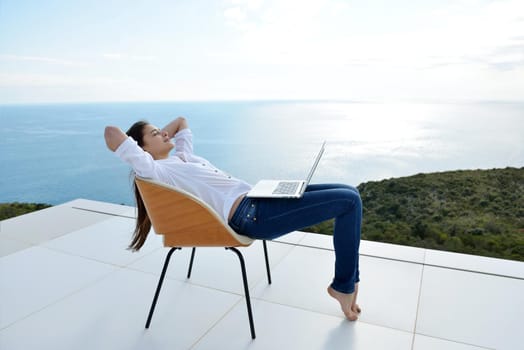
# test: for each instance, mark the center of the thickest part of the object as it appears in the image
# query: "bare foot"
(354, 307)
(346, 301)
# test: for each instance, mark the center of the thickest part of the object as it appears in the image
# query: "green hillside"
(8, 210)
(477, 212)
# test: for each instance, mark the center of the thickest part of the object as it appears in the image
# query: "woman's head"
(136, 131)
(153, 140)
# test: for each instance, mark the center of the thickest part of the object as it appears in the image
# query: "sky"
(158, 50)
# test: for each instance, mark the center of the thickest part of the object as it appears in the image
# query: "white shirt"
(186, 171)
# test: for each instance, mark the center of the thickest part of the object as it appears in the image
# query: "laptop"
(285, 188)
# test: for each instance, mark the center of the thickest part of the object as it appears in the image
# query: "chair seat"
(184, 220)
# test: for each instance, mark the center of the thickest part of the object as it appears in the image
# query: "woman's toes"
(355, 308)
(352, 316)
(346, 302)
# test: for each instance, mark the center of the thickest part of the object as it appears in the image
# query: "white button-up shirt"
(186, 171)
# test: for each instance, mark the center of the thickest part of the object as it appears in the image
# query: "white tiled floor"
(428, 343)
(472, 308)
(212, 274)
(105, 241)
(283, 327)
(10, 245)
(44, 225)
(480, 264)
(67, 281)
(37, 277)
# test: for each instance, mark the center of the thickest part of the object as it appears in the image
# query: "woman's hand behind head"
(114, 137)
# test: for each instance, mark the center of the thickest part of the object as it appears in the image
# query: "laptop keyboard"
(286, 187)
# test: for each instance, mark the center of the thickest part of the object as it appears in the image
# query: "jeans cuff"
(346, 288)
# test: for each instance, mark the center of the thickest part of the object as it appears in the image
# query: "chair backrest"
(184, 219)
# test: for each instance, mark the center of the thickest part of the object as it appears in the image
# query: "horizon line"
(269, 100)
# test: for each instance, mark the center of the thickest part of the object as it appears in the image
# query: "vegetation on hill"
(477, 212)
(8, 210)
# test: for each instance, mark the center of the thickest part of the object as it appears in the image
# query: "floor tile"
(292, 237)
(284, 327)
(111, 315)
(317, 240)
(388, 291)
(370, 248)
(10, 246)
(106, 241)
(477, 263)
(393, 251)
(98, 206)
(36, 277)
(428, 343)
(300, 280)
(43, 225)
(216, 267)
(471, 308)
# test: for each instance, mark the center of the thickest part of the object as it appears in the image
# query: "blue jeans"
(263, 218)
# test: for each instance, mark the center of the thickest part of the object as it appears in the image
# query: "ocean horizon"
(53, 153)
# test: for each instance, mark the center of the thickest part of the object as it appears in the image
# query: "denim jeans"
(264, 218)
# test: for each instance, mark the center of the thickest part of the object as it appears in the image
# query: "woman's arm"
(175, 126)
(114, 137)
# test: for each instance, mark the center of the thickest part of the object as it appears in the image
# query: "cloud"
(235, 14)
(55, 80)
(504, 58)
(242, 14)
(319, 32)
(298, 49)
(41, 59)
(130, 57)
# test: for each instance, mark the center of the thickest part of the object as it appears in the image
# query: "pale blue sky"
(75, 51)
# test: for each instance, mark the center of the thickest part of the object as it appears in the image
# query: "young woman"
(147, 150)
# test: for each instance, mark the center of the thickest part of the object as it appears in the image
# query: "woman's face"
(156, 142)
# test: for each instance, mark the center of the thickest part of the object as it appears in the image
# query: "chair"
(186, 221)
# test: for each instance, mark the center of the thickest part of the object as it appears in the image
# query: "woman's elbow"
(114, 137)
(182, 123)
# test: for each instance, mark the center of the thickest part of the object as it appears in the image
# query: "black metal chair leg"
(267, 262)
(191, 263)
(160, 281)
(246, 290)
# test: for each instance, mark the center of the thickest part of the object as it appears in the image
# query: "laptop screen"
(312, 171)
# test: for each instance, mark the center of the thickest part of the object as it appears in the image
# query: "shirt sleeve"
(184, 142)
(142, 162)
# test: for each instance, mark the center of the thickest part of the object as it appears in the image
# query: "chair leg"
(246, 290)
(160, 281)
(267, 263)
(191, 263)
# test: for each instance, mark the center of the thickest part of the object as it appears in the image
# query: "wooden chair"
(186, 221)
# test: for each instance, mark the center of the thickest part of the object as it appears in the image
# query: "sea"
(54, 153)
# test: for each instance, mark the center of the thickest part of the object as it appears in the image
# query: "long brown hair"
(143, 223)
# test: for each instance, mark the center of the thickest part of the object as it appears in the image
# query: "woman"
(147, 149)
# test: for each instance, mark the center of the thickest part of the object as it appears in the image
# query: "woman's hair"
(143, 223)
